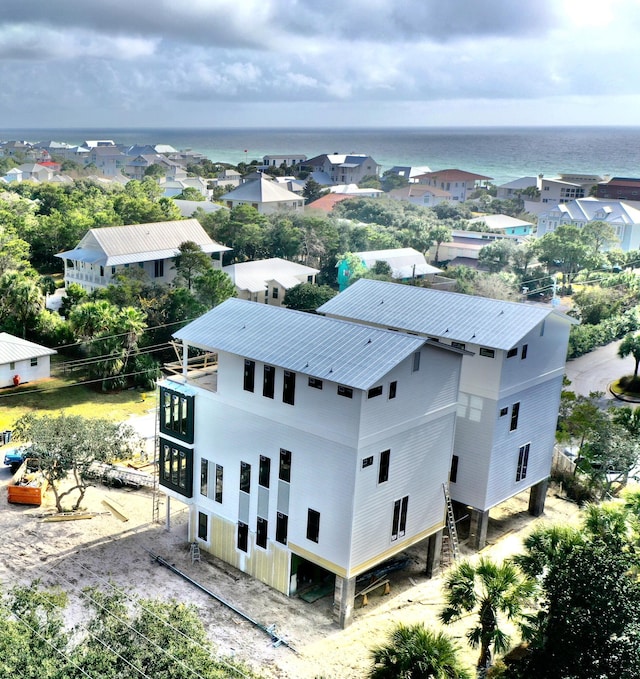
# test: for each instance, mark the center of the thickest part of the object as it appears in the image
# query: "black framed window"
(284, 473)
(487, 353)
(393, 389)
(313, 525)
(204, 476)
(503, 411)
(416, 362)
(375, 391)
(347, 392)
(249, 374)
(275, 292)
(243, 536)
(245, 477)
(523, 462)
(453, 473)
(176, 414)
(367, 462)
(523, 353)
(158, 268)
(383, 469)
(261, 532)
(282, 527)
(515, 412)
(176, 468)
(269, 382)
(289, 387)
(459, 345)
(399, 525)
(315, 383)
(264, 471)
(512, 352)
(219, 472)
(203, 526)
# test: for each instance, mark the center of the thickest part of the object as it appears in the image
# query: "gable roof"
(254, 276)
(261, 190)
(520, 183)
(404, 262)
(349, 353)
(14, 349)
(449, 315)
(453, 175)
(327, 202)
(588, 209)
(500, 221)
(113, 245)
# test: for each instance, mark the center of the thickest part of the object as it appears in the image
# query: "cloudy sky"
(305, 63)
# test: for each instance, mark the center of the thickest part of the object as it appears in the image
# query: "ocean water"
(501, 153)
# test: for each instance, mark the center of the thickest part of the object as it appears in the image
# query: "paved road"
(596, 370)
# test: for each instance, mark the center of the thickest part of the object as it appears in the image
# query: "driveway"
(597, 369)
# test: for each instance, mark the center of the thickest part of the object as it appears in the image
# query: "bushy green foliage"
(584, 338)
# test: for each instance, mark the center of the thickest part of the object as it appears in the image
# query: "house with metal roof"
(22, 361)
(510, 384)
(265, 195)
(405, 263)
(105, 251)
(307, 448)
(510, 226)
(267, 280)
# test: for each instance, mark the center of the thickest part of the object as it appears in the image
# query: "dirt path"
(104, 550)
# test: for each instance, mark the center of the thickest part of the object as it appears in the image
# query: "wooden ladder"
(195, 552)
(453, 543)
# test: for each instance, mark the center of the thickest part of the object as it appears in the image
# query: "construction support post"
(167, 523)
(434, 551)
(343, 598)
(537, 497)
(478, 528)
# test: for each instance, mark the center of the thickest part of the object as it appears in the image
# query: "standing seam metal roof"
(349, 353)
(448, 315)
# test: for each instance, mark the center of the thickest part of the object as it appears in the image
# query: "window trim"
(523, 462)
(249, 375)
(315, 383)
(262, 529)
(399, 522)
(282, 528)
(515, 413)
(347, 392)
(242, 537)
(375, 391)
(512, 352)
(415, 364)
(219, 483)
(264, 471)
(393, 389)
(245, 477)
(204, 476)
(177, 423)
(204, 537)
(487, 353)
(453, 472)
(384, 464)
(289, 387)
(183, 484)
(524, 352)
(313, 525)
(268, 381)
(284, 468)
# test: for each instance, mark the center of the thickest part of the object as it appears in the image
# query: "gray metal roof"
(13, 349)
(140, 242)
(352, 354)
(448, 315)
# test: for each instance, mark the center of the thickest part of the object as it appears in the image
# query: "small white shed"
(22, 361)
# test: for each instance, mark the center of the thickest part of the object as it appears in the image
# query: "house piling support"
(434, 550)
(478, 528)
(537, 497)
(343, 598)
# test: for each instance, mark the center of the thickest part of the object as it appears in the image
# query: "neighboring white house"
(509, 387)
(267, 280)
(405, 263)
(624, 219)
(421, 194)
(22, 361)
(265, 195)
(315, 448)
(288, 159)
(105, 251)
(464, 246)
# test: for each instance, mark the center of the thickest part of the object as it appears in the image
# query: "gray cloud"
(159, 59)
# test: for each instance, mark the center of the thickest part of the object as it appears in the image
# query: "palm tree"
(414, 652)
(630, 345)
(489, 589)
(545, 545)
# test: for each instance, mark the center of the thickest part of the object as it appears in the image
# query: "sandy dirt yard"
(104, 549)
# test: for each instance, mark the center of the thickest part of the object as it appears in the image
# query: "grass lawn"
(62, 394)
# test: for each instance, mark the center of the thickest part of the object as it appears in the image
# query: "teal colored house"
(510, 226)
